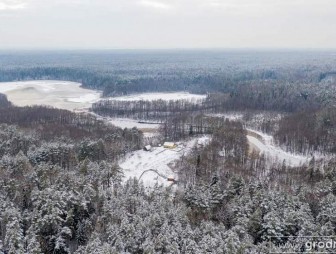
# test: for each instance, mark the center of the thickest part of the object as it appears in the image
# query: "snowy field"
(148, 129)
(232, 116)
(274, 153)
(59, 94)
(159, 96)
(130, 123)
(140, 163)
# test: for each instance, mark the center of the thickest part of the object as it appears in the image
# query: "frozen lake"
(59, 94)
(71, 96)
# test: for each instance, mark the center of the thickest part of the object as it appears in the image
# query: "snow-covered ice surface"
(140, 163)
(275, 153)
(84, 98)
(59, 94)
(71, 96)
(159, 96)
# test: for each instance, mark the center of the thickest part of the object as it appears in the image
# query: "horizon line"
(174, 49)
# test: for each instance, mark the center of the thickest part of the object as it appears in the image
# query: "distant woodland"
(124, 72)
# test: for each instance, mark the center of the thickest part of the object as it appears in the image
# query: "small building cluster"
(169, 145)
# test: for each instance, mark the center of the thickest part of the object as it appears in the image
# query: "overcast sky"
(109, 24)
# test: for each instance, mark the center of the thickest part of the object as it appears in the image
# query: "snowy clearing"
(273, 153)
(159, 96)
(149, 129)
(140, 163)
(130, 123)
(232, 116)
(59, 94)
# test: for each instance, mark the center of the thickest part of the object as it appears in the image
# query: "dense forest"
(309, 131)
(124, 72)
(62, 189)
(64, 195)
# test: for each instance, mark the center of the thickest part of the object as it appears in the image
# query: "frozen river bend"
(71, 96)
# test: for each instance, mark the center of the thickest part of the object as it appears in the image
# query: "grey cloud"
(11, 5)
(167, 23)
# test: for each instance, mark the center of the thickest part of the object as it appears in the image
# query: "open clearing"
(139, 163)
(130, 123)
(149, 129)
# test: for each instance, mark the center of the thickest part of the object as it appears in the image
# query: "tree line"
(4, 103)
(156, 110)
(308, 131)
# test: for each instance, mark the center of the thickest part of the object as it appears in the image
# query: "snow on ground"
(149, 129)
(159, 96)
(140, 163)
(130, 123)
(84, 98)
(150, 133)
(232, 116)
(255, 121)
(264, 143)
(59, 94)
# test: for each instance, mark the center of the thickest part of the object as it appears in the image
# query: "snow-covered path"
(264, 143)
(159, 159)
